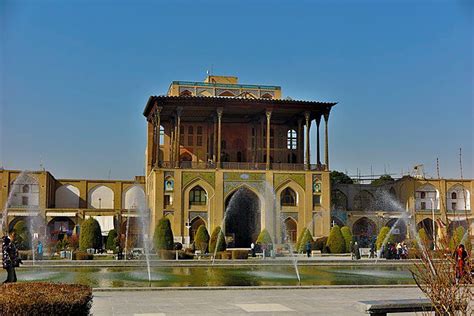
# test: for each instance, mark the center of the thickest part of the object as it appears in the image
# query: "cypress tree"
(163, 237)
(304, 240)
(91, 235)
(381, 237)
(264, 238)
(111, 240)
(336, 242)
(346, 233)
(217, 239)
(201, 240)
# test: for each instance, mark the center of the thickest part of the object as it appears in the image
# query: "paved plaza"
(315, 301)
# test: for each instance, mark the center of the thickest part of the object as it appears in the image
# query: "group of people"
(394, 251)
(10, 257)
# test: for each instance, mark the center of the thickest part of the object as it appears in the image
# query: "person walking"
(10, 258)
(252, 249)
(356, 251)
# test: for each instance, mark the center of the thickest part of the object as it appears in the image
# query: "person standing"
(308, 249)
(461, 257)
(252, 248)
(39, 249)
(10, 258)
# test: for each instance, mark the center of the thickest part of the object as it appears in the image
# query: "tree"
(338, 177)
(346, 233)
(91, 235)
(22, 235)
(424, 239)
(217, 239)
(386, 178)
(264, 238)
(382, 236)
(111, 240)
(304, 240)
(163, 237)
(336, 242)
(201, 240)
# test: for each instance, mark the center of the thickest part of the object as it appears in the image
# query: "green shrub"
(457, 239)
(42, 298)
(22, 237)
(163, 238)
(300, 237)
(82, 255)
(111, 240)
(91, 235)
(346, 233)
(240, 254)
(320, 244)
(201, 240)
(381, 237)
(217, 239)
(336, 242)
(304, 240)
(264, 238)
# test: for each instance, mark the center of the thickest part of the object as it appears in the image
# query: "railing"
(241, 166)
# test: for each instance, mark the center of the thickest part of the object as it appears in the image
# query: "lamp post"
(188, 226)
(433, 216)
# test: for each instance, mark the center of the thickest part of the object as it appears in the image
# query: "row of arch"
(99, 197)
(426, 197)
(226, 93)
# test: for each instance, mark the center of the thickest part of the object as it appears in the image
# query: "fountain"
(8, 202)
(144, 217)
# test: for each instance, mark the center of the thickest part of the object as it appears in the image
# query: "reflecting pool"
(198, 276)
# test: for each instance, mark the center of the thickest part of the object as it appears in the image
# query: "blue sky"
(75, 76)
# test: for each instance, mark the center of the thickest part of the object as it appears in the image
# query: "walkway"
(317, 301)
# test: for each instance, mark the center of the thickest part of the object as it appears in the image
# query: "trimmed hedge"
(91, 235)
(304, 240)
(43, 298)
(336, 242)
(201, 240)
(82, 255)
(381, 237)
(300, 237)
(217, 239)
(111, 240)
(346, 233)
(163, 238)
(264, 238)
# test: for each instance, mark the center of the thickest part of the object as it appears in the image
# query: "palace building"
(219, 149)
(220, 153)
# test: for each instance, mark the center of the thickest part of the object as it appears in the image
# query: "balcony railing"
(242, 166)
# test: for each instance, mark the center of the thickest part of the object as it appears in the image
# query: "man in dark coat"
(10, 258)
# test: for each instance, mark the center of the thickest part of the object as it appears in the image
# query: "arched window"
(291, 139)
(197, 196)
(227, 94)
(454, 196)
(288, 197)
(26, 188)
(289, 233)
(267, 96)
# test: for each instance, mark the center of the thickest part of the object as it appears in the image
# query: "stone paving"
(318, 301)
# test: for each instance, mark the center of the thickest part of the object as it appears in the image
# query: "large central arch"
(242, 217)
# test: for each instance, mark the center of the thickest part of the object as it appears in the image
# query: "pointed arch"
(101, 197)
(25, 189)
(67, 196)
(133, 197)
(426, 197)
(339, 200)
(365, 231)
(226, 93)
(266, 96)
(195, 223)
(185, 93)
(363, 201)
(290, 227)
(458, 198)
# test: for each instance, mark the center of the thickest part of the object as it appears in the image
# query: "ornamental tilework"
(231, 185)
(235, 176)
(341, 215)
(209, 177)
(285, 215)
(194, 214)
(279, 178)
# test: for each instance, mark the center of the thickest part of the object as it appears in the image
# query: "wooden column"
(157, 121)
(300, 142)
(318, 155)
(214, 140)
(307, 116)
(172, 128)
(268, 113)
(326, 138)
(219, 136)
(179, 110)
